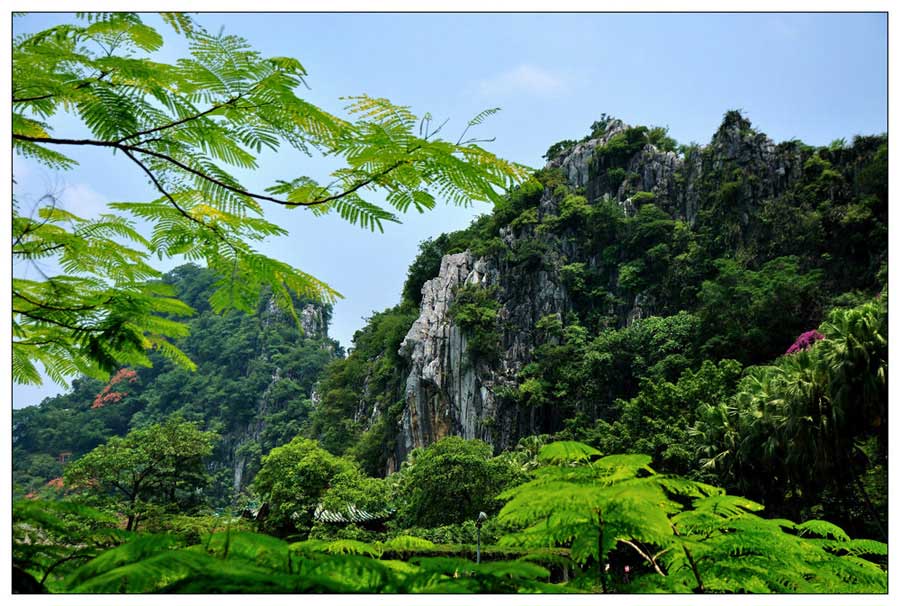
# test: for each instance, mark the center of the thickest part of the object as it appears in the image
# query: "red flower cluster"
(107, 396)
(104, 398)
(55, 483)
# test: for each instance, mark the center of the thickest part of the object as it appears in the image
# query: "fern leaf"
(407, 543)
(824, 529)
(567, 452)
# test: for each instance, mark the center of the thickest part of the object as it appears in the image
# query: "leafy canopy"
(801, 425)
(186, 127)
(162, 464)
(293, 479)
(451, 481)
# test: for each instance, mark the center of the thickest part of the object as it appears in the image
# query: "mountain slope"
(254, 380)
(627, 259)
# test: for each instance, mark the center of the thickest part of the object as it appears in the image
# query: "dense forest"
(652, 367)
(757, 364)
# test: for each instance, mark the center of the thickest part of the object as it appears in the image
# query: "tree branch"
(171, 199)
(133, 148)
(343, 194)
(42, 250)
(694, 569)
(187, 118)
(126, 492)
(437, 130)
(32, 99)
(53, 308)
(646, 556)
(74, 556)
(56, 322)
(83, 84)
(692, 563)
(55, 141)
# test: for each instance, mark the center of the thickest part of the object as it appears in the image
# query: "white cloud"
(528, 79)
(83, 200)
(35, 185)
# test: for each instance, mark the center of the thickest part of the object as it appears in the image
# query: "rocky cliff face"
(448, 392)
(677, 181)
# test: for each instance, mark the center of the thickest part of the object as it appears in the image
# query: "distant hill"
(254, 379)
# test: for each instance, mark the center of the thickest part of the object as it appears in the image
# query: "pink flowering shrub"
(805, 341)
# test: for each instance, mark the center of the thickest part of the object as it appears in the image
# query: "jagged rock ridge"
(448, 393)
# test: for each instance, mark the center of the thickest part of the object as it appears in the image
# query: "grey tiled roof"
(351, 514)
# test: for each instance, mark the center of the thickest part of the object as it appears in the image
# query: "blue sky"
(816, 77)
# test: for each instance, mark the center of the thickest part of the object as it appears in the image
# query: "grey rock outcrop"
(312, 320)
(441, 394)
(675, 180)
(448, 391)
(576, 163)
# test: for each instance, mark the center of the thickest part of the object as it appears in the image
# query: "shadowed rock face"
(314, 324)
(447, 392)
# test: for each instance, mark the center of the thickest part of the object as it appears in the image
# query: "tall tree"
(293, 479)
(184, 126)
(451, 481)
(812, 423)
(160, 464)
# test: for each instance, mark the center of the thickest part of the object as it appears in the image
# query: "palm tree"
(797, 426)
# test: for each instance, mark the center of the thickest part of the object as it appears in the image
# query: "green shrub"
(474, 309)
(659, 137)
(615, 177)
(621, 147)
(574, 209)
(528, 216)
(642, 197)
(558, 148)
(450, 482)
(630, 275)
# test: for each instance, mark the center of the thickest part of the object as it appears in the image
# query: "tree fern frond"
(149, 574)
(821, 528)
(256, 548)
(563, 451)
(857, 547)
(136, 550)
(407, 543)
